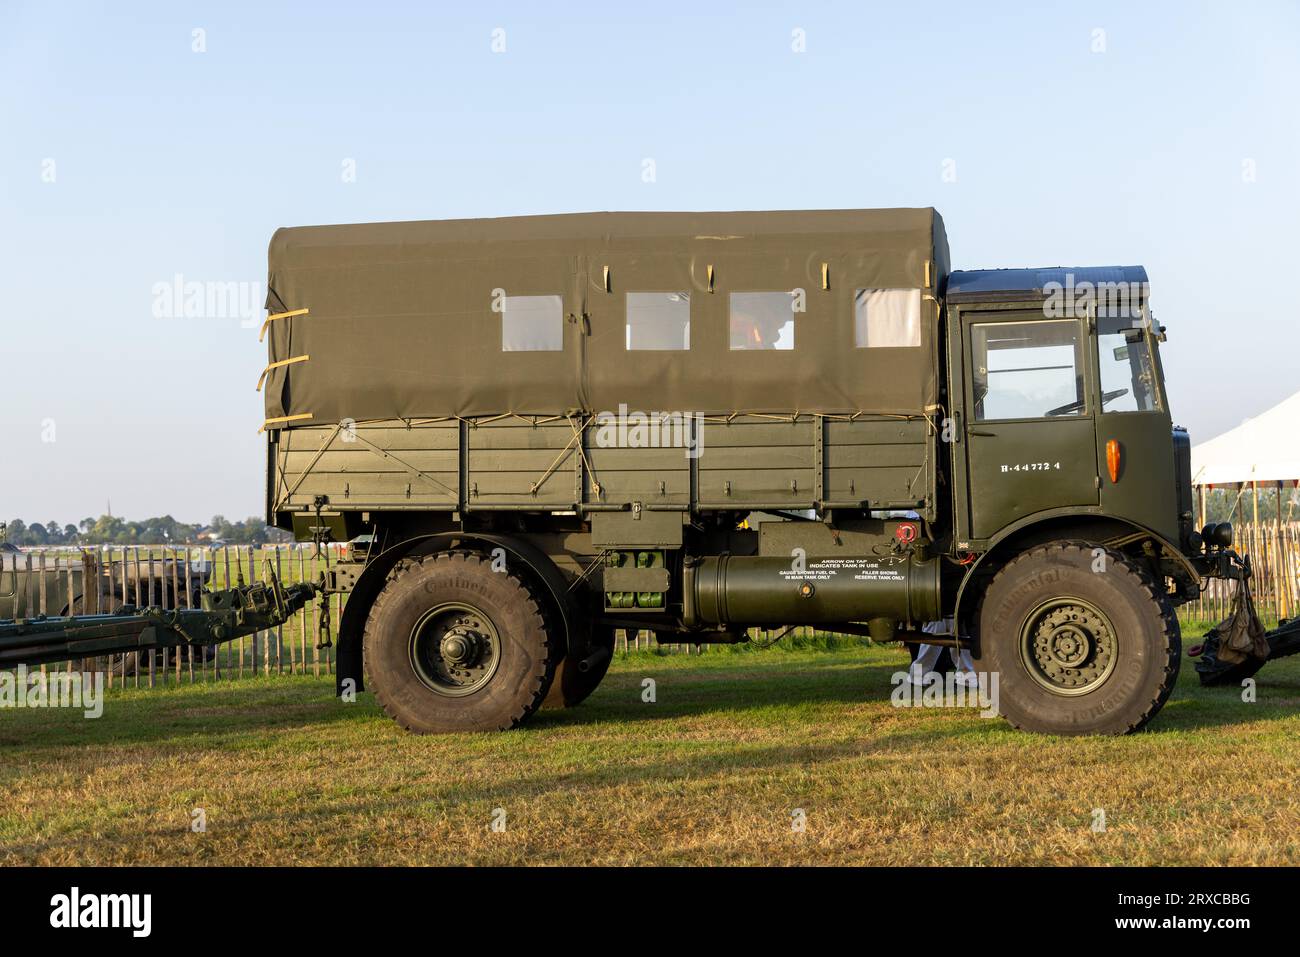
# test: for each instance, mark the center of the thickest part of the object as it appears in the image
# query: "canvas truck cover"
(407, 320)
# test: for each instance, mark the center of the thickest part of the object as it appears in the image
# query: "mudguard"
(349, 656)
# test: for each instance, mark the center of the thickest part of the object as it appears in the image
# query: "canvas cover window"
(761, 320)
(658, 321)
(532, 324)
(887, 318)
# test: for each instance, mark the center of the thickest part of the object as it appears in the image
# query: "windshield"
(1128, 376)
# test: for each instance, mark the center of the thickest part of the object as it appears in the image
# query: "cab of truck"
(1060, 411)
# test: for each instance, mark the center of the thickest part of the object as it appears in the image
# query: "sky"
(145, 144)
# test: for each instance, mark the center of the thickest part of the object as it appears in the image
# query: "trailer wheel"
(102, 663)
(1081, 639)
(451, 645)
(572, 685)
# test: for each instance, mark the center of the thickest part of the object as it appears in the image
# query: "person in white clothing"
(927, 657)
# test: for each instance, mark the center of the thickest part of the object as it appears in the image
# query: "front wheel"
(452, 645)
(1081, 641)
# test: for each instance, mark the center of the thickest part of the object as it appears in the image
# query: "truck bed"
(541, 463)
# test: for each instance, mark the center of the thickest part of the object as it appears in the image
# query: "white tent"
(1263, 449)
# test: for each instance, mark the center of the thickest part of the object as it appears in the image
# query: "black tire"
(573, 686)
(105, 663)
(1078, 651)
(496, 675)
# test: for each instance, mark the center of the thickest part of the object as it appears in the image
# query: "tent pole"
(1256, 536)
(1283, 586)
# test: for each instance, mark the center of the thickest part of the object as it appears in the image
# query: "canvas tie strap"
(284, 418)
(279, 315)
(275, 365)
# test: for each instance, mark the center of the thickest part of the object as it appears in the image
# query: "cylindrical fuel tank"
(753, 590)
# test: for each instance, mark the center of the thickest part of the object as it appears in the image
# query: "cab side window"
(1027, 370)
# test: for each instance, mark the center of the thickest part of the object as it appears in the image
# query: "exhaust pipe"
(594, 659)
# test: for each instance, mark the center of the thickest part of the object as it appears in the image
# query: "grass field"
(712, 772)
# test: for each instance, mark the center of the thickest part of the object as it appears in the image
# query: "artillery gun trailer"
(548, 428)
(223, 615)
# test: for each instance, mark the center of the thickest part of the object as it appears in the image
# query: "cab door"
(1029, 424)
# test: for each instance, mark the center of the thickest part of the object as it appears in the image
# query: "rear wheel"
(1081, 639)
(572, 685)
(451, 645)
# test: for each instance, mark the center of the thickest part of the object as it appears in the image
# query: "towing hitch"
(1238, 647)
(1283, 641)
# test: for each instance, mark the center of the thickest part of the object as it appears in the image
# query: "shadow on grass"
(204, 715)
(686, 692)
(220, 713)
(234, 714)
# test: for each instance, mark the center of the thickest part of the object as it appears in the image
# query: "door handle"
(979, 432)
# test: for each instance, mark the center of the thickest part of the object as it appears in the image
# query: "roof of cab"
(974, 285)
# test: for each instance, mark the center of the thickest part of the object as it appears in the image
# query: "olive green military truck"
(700, 424)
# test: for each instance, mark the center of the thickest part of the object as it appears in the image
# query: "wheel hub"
(461, 647)
(455, 649)
(1068, 646)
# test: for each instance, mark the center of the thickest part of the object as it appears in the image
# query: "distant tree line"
(111, 530)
